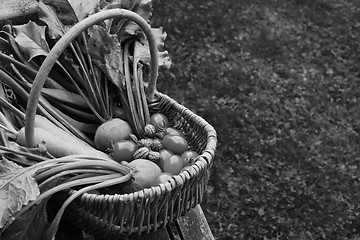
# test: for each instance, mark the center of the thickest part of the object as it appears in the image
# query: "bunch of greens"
(101, 74)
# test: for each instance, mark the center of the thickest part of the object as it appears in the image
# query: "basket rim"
(203, 161)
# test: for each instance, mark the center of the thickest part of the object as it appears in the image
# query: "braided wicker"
(114, 216)
(119, 215)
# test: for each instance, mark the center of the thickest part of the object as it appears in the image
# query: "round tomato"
(161, 178)
(173, 131)
(164, 154)
(188, 157)
(123, 150)
(176, 144)
(173, 164)
(159, 121)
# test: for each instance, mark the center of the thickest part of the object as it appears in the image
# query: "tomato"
(173, 131)
(164, 154)
(176, 144)
(123, 150)
(173, 164)
(159, 121)
(188, 157)
(162, 178)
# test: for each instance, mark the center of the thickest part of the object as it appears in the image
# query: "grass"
(279, 80)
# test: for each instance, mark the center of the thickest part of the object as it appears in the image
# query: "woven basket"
(121, 215)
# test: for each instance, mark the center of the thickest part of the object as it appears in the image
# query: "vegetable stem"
(65, 40)
(51, 231)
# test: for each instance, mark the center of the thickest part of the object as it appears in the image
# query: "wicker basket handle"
(67, 38)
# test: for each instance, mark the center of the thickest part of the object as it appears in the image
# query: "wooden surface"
(194, 225)
(17, 9)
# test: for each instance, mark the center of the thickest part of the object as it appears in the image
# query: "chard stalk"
(51, 231)
(66, 39)
(94, 172)
(130, 96)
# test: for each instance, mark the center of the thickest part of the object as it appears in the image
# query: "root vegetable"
(144, 175)
(60, 143)
(110, 132)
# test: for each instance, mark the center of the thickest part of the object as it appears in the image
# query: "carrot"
(60, 143)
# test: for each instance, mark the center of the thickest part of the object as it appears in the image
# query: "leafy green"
(143, 52)
(106, 4)
(131, 29)
(29, 225)
(63, 10)
(17, 189)
(107, 54)
(83, 7)
(47, 14)
(31, 40)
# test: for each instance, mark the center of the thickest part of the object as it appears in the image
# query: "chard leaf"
(106, 4)
(113, 4)
(30, 225)
(63, 10)
(142, 51)
(72, 11)
(17, 189)
(31, 39)
(106, 53)
(47, 14)
(83, 7)
(142, 8)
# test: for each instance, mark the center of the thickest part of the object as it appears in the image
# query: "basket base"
(191, 226)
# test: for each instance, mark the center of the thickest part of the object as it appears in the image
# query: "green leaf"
(64, 11)
(83, 7)
(17, 189)
(142, 51)
(29, 225)
(142, 8)
(107, 54)
(72, 11)
(31, 39)
(111, 4)
(47, 14)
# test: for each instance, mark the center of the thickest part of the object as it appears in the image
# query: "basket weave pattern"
(112, 216)
(118, 215)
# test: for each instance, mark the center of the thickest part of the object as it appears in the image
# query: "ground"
(279, 81)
